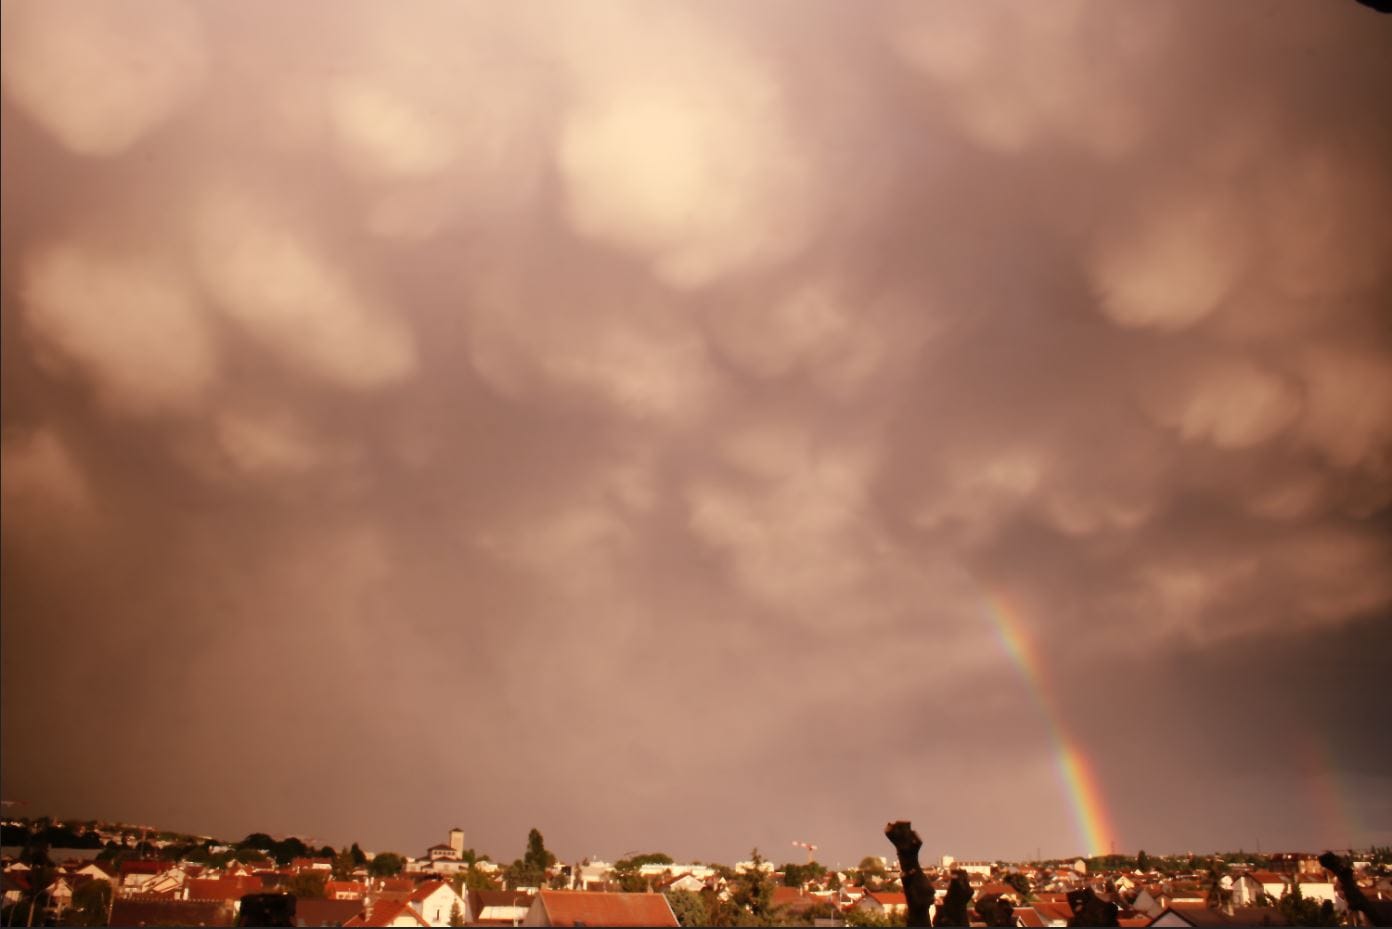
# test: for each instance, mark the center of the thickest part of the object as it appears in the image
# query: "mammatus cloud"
(676, 389)
(40, 472)
(1229, 402)
(131, 322)
(1173, 266)
(99, 78)
(1009, 80)
(719, 182)
(271, 279)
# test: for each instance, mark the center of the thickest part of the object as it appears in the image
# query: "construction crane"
(807, 845)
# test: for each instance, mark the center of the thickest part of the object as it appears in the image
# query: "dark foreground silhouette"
(919, 893)
(1377, 912)
(1088, 908)
(1091, 910)
(267, 910)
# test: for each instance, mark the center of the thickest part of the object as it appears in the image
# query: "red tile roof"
(1050, 911)
(577, 907)
(793, 897)
(1029, 918)
(148, 912)
(383, 912)
(223, 888)
(1200, 914)
(424, 890)
(312, 912)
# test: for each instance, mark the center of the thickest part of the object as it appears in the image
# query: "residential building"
(393, 913)
(436, 902)
(313, 912)
(499, 907)
(578, 908)
(147, 911)
(883, 903)
(1203, 915)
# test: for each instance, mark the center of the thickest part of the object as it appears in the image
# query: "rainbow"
(1330, 801)
(1079, 781)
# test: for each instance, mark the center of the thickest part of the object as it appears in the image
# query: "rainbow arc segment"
(1079, 780)
(1331, 803)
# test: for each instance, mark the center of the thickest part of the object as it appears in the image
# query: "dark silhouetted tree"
(307, 884)
(689, 907)
(343, 865)
(90, 903)
(386, 864)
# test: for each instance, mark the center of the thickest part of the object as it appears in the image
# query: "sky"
(692, 427)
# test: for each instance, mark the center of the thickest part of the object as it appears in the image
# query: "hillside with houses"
(97, 874)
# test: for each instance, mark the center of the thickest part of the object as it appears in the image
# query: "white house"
(435, 901)
(1272, 884)
(981, 868)
(393, 913)
(1246, 890)
(1151, 901)
(884, 904)
(1321, 889)
(686, 882)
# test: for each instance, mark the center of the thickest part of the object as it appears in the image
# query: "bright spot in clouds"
(97, 75)
(132, 322)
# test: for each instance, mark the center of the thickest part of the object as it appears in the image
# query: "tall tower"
(456, 841)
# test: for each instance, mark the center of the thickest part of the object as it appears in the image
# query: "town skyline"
(795, 851)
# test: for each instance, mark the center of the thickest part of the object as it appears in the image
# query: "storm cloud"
(614, 418)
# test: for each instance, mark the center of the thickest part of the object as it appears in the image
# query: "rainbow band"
(1332, 805)
(1075, 771)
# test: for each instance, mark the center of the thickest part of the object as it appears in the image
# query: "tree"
(90, 903)
(819, 911)
(856, 916)
(478, 879)
(872, 872)
(359, 858)
(1020, 883)
(1142, 861)
(530, 869)
(537, 856)
(343, 865)
(627, 871)
(690, 907)
(307, 884)
(257, 840)
(456, 916)
(752, 892)
(797, 875)
(386, 864)
(287, 850)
